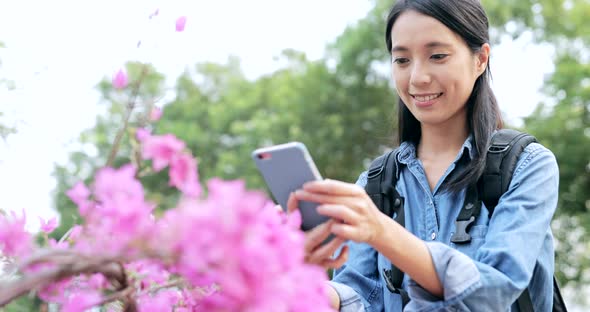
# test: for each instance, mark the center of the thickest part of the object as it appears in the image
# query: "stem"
(119, 295)
(111, 270)
(170, 284)
(130, 107)
(127, 293)
(66, 235)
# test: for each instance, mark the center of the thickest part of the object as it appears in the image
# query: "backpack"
(502, 156)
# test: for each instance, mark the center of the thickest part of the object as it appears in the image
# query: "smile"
(426, 97)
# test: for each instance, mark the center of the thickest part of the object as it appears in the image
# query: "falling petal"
(180, 23)
(155, 114)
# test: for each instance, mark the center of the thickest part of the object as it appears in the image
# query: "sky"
(57, 51)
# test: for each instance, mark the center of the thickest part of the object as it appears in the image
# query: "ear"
(482, 58)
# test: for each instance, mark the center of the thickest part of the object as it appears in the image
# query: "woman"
(448, 112)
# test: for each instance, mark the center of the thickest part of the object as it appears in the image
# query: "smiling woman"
(448, 115)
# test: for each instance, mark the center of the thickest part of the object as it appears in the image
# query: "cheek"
(458, 85)
(398, 80)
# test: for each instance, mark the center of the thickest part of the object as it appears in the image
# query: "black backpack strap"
(381, 180)
(503, 152)
(467, 216)
(558, 303)
(524, 302)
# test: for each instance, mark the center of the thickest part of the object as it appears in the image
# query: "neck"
(439, 140)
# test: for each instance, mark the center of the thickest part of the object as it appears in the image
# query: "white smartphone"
(285, 168)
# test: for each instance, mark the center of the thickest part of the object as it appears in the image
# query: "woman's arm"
(363, 222)
(333, 297)
(408, 253)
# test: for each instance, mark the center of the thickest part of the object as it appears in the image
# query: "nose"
(420, 75)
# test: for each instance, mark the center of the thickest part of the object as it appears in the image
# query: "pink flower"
(141, 134)
(115, 184)
(180, 23)
(49, 225)
(79, 302)
(161, 149)
(183, 175)
(78, 193)
(75, 233)
(15, 241)
(240, 252)
(58, 245)
(155, 114)
(54, 292)
(162, 301)
(153, 273)
(120, 79)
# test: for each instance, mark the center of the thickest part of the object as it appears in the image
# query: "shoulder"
(536, 157)
(379, 161)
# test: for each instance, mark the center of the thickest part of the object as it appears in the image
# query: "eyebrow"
(433, 44)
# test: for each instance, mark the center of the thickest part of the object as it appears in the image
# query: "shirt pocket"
(478, 237)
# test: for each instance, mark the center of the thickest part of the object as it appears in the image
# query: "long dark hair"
(468, 19)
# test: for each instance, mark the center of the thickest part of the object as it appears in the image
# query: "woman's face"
(433, 69)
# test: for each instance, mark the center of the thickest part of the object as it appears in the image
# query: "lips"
(426, 97)
(426, 100)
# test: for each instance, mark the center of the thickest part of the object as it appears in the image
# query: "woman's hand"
(361, 220)
(315, 252)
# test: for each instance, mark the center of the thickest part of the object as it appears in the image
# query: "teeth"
(426, 98)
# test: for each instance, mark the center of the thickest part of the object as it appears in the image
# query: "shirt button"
(433, 236)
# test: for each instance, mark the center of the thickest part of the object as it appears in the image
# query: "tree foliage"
(563, 122)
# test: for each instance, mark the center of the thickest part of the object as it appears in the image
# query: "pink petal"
(180, 23)
(141, 134)
(79, 193)
(120, 79)
(155, 114)
(48, 226)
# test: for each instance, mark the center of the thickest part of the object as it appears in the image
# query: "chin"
(430, 119)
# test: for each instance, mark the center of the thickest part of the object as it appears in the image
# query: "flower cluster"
(228, 251)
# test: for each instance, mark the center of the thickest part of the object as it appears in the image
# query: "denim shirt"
(508, 252)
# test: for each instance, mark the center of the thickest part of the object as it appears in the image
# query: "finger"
(292, 203)
(322, 198)
(325, 251)
(315, 236)
(334, 187)
(345, 231)
(339, 212)
(338, 261)
(354, 203)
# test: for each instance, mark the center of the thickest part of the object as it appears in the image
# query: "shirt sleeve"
(350, 301)
(503, 266)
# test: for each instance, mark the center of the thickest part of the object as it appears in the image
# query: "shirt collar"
(407, 151)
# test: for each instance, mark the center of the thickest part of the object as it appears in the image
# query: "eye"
(400, 60)
(438, 57)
